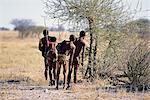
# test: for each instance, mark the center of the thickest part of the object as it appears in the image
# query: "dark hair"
(82, 33)
(53, 39)
(45, 32)
(72, 37)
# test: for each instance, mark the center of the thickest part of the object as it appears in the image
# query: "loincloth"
(62, 58)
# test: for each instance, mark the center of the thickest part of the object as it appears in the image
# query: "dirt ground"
(16, 90)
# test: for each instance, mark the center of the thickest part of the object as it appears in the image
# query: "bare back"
(79, 45)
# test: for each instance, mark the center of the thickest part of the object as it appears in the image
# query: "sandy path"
(77, 92)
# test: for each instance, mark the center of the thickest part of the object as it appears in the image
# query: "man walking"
(80, 45)
(65, 48)
(47, 47)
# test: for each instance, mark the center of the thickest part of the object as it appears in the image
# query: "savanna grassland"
(20, 59)
(21, 76)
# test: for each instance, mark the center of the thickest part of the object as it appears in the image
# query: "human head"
(72, 38)
(53, 39)
(45, 32)
(82, 34)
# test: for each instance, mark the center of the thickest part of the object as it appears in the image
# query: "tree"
(22, 25)
(34, 31)
(59, 28)
(93, 14)
(135, 71)
(138, 66)
(139, 26)
(4, 29)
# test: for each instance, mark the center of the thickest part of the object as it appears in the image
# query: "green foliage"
(101, 18)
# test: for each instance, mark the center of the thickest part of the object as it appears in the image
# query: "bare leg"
(75, 73)
(45, 74)
(54, 72)
(64, 73)
(69, 76)
(58, 72)
(46, 69)
(54, 67)
(50, 75)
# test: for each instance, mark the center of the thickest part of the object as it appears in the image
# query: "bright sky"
(33, 9)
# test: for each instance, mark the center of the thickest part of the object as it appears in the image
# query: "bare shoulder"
(83, 41)
(72, 45)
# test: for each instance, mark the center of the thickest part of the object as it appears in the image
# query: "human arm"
(40, 45)
(82, 55)
(72, 52)
(83, 51)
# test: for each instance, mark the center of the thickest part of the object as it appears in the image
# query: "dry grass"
(21, 60)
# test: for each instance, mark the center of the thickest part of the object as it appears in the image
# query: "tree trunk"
(88, 70)
(94, 58)
(22, 35)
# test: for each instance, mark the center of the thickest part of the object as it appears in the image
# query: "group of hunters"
(55, 56)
